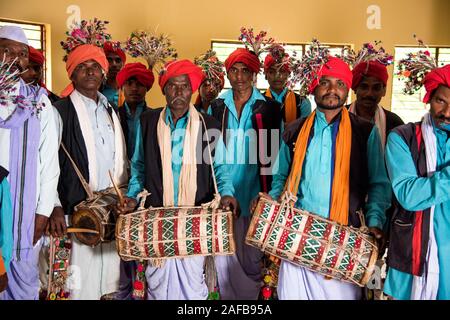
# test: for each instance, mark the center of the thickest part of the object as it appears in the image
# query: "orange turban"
(336, 68)
(370, 69)
(137, 70)
(435, 78)
(177, 68)
(244, 56)
(82, 54)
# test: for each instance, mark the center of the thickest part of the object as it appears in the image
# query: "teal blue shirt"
(6, 223)
(136, 184)
(305, 108)
(111, 94)
(241, 149)
(314, 190)
(419, 193)
(132, 122)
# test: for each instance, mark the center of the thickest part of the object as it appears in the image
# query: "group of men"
(341, 148)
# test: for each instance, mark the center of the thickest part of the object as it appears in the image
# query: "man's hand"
(379, 236)
(128, 206)
(230, 203)
(40, 224)
(3, 282)
(57, 223)
(254, 202)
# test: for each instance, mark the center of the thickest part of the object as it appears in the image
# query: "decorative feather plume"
(414, 68)
(86, 32)
(212, 67)
(368, 52)
(154, 49)
(258, 43)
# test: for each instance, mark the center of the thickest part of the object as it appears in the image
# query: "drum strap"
(90, 194)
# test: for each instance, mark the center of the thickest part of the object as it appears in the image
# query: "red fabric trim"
(259, 124)
(417, 232)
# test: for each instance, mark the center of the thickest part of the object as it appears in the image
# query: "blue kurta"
(305, 107)
(314, 196)
(242, 149)
(132, 123)
(417, 193)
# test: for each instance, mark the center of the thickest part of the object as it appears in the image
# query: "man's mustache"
(443, 118)
(332, 95)
(371, 99)
(176, 99)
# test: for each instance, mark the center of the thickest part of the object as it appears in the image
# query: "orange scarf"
(341, 180)
(290, 105)
(2, 266)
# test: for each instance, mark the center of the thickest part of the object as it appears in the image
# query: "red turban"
(137, 70)
(108, 47)
(336, 68)
(270, 61)
(36, 56)
(177, 68)
(435, 78)
(82, 54)
(244, 56)
(370, 69)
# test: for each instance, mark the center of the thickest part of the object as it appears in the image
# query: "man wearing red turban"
(244, 112)
(340, 167)
(417, 162)
(35, 72)
(168, 162)
(292, 105)
(369, 84)
(116, 60)
(135, 80)
(92, 135)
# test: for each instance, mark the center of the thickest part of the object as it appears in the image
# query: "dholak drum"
(96, 214)
(308, 240)
(174, 232)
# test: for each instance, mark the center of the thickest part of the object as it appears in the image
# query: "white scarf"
(120, 159)
(380, 121)
(187, 185)
(426, 286)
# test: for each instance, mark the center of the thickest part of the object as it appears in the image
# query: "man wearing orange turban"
(168, 141)
(336, 165)
(369, 84)
(116, 60)
(292, 105)
(244, 112)
(135, 80)
(91, 132)
(417, 161)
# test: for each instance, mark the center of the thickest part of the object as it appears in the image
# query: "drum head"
(85, 218)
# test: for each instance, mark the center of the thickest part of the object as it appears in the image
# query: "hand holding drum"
(124, 205)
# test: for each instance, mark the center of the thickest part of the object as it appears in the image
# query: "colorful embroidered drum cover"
(174, 232)
(310, 241)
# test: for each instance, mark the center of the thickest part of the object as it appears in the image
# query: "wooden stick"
(81, 230)
(119, 193)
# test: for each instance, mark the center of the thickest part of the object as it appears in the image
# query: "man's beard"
(339, 104)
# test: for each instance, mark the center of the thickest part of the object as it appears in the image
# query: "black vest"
(266, 120)
(152, 159)
(3, 173)
(123, 122)
(70, 189)
(359, 172)
(410, 230)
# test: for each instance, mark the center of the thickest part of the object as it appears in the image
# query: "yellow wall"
(193, 23)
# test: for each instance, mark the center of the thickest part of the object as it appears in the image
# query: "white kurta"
(96, 271)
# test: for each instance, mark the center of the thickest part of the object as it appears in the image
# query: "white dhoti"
(239, 275)
(178, 279)
(298, 283)
(94, 271)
